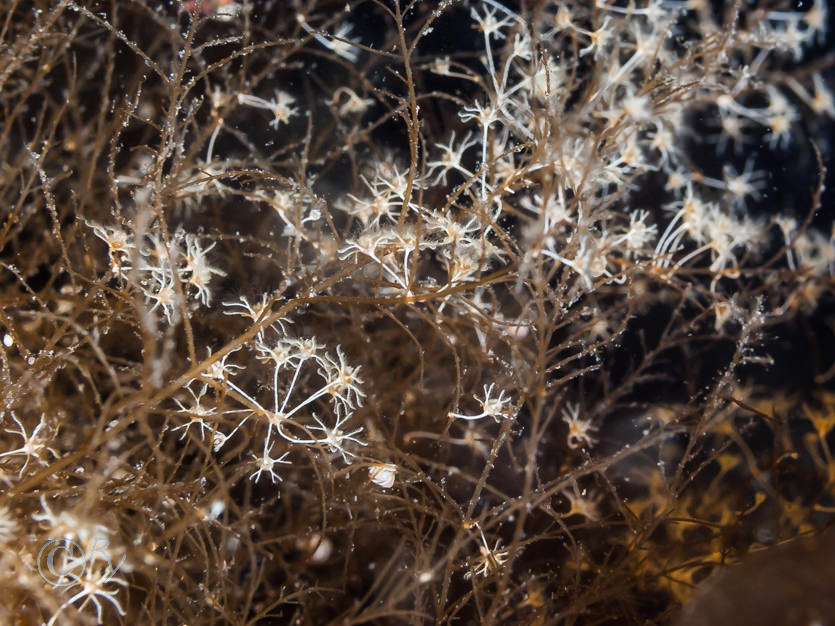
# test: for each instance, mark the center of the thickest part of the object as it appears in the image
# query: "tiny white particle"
(383, 474)
(218, 506)
(323, 551)
(7, 340)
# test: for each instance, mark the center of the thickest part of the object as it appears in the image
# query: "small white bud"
(383, 474)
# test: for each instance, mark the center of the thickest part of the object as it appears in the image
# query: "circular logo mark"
(61, 561)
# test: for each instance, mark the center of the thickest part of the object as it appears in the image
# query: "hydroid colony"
(389, 312)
